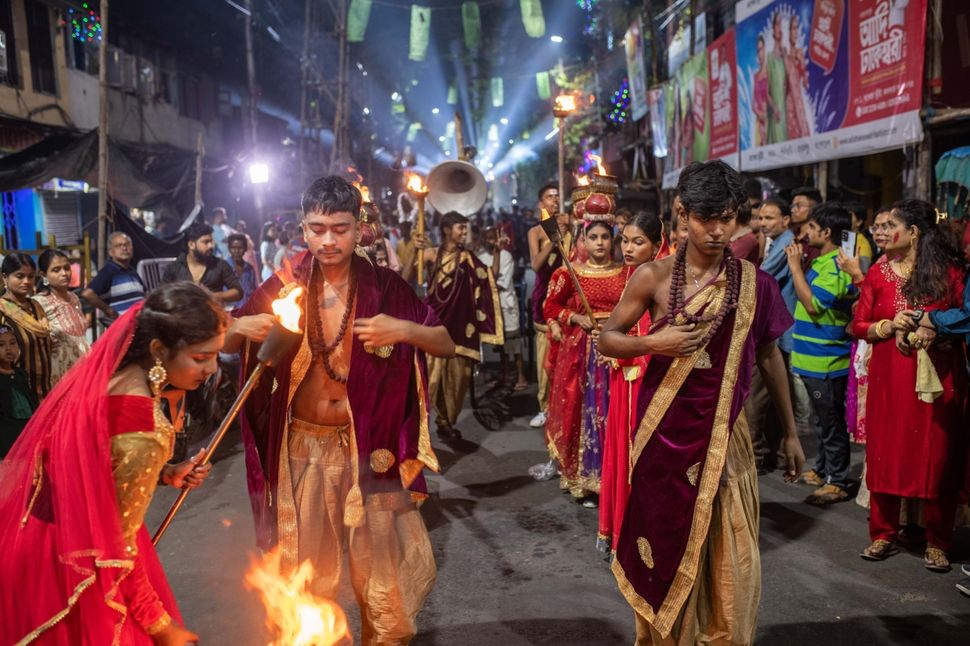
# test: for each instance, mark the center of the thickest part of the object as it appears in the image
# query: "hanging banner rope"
(357, 17)
(420, 32)
(498, 92)
(532, 18)
(472, 22)
(542, 85)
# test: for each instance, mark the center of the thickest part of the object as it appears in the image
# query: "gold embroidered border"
(680, 588)
(499, 337)
(462, 351)
(677, 373)
(286, 528)
(597, 272)
(426, 454)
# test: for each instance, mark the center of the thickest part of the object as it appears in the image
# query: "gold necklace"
(904, 270)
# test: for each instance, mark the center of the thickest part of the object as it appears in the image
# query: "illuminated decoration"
(357, 18)
(564, 106)
(259, 173)
(420, 32)
(498, 92)
(620, 104)
(592, 22)
(543, 89)
(85, 24)
(532, 18)
(472, 25)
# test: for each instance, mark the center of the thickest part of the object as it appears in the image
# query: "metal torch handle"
(576, 284)
(213, 444)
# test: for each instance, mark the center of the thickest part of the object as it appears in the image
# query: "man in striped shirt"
(117, 285)
(822, 346)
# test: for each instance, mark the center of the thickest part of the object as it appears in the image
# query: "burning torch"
(282, 338)
(419, 191)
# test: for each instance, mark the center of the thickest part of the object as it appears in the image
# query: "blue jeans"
(828, 405)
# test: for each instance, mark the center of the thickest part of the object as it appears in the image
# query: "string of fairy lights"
(85, 24)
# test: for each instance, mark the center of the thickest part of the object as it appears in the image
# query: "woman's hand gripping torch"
(280, 341)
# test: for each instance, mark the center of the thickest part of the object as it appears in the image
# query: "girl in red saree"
(79, 566)
(578, 396)
(915, 444)
(642, 241)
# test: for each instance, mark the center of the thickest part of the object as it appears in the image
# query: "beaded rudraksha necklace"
(678, 302)
(318, 344)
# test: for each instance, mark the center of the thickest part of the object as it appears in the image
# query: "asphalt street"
(517, 563)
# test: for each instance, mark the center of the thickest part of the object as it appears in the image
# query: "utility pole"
(103, 136)
(305, 78)
(341, 148)
(252, 139)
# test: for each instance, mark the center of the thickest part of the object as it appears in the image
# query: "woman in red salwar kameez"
(642, 241)
(579, 389)
(916, 400)
(78, 564)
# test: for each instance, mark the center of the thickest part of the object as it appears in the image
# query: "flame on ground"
(294, 616)
(600, 168)
(416, 184)
(288, 311)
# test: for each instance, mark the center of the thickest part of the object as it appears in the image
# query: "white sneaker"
(544, 471)
(539, 420)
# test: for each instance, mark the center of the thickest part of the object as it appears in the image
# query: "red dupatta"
(64, 555)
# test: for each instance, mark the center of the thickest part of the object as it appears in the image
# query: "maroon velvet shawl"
(465, 298)
(679, 453)
(388, 397)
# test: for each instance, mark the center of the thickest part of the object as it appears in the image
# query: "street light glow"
(259, 173)
(435, 110)
(504, 121)
(556, 38)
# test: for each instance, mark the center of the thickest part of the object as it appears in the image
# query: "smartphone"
(848, 243)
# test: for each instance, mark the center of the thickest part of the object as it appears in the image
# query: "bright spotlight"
(556, 38)
(511, 141)
(442, 139)
(259, 173)
(504, 121)
(366, 110)
(435, 110)
(395, 96)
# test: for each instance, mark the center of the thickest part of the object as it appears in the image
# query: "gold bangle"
(879, 329)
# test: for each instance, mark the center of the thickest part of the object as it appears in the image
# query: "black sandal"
(879, 550)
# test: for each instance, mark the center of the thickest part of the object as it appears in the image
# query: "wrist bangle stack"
(880, 331)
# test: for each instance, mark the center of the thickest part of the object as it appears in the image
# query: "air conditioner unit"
(147, 82)
(3, 55)
(129, 74)
(116, 59)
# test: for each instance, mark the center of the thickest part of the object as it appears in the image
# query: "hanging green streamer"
(413, 130)
(420, 32)
(452, 95)
(357, 17)
(498, 93)
(532, 18)
(472, 22)
(542, 85)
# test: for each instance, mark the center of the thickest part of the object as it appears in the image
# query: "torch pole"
(551, 227)
(420, 260)
(213, 444)
(562, 165)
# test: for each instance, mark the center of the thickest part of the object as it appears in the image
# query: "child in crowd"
(17, 400)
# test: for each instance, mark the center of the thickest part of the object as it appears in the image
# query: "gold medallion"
(381, 460)
(703, 360)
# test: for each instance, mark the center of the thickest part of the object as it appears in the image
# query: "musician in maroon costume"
(687, 557)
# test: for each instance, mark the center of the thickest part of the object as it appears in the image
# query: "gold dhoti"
(722, 608)
(542, 349)
(392, 566)
(448, 381)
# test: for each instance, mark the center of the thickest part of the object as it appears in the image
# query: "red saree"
(67, 576)
(578, 404)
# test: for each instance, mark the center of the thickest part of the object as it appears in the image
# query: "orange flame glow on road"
(287, 310)
(294, 616)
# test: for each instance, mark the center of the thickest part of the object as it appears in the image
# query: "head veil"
(63, 550)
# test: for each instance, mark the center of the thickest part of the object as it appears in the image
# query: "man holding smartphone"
(822, 346)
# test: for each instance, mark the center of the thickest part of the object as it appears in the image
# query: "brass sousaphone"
(457, 185)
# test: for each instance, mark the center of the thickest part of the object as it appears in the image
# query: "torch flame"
(365, 194)
(582, 180)
(294, 616)
(287, 310)
(600, 168)
(415, 183)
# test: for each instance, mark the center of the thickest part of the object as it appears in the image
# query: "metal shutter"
(62, 216)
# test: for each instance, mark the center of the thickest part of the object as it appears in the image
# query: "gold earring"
(156, 377)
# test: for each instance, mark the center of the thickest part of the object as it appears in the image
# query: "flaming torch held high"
(282, 338)
(294, 616)
(419, 192)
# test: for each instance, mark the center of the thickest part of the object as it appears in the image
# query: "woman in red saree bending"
(578, 396)
(642, 241)
(915, 444)
(79, 566)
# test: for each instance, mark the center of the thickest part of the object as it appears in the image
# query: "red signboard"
(722, 70)
(823, 42)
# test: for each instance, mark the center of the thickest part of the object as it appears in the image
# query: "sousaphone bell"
(457, 185)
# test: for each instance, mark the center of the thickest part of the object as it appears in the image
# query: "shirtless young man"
(337, 437)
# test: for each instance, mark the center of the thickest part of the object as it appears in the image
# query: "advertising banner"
(722, 67)
(688, 118)
(825, 79)
(635, 70)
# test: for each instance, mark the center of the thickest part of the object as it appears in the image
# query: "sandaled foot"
(936, 560)
(879, 550)
(811, 478)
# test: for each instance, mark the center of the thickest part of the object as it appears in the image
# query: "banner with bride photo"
(825, 79)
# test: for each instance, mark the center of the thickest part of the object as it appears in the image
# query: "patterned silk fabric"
(68, 332)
